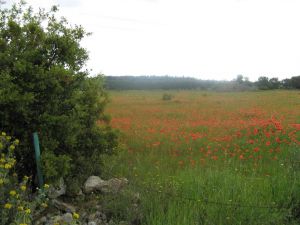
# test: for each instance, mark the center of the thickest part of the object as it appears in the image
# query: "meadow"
(210, 158)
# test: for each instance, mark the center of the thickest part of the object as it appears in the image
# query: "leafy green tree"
(295, 82)
(44, 88)
(274, 83)
(263, 83)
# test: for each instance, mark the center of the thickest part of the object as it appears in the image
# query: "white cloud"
(210, 38)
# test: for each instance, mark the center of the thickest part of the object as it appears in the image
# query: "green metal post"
(38, 159)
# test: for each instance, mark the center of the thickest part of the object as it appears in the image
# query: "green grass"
(205, 180)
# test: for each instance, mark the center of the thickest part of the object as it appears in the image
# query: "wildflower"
(7, 206)
(12, 193)
(23, 187)
(214, 157)
(20, 208)
(75, 215)
(251, 141)
(255, 131)
(12, 147)
(25, 178)
(7, 166)
(256, 149)
(3, 134)
(28, 211)
(16, 142)
(268, 143)
(46, 186)
(267, 134)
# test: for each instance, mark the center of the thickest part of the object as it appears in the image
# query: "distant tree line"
(241, 83)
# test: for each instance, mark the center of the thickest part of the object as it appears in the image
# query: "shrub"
(43, 88)
(167, 97)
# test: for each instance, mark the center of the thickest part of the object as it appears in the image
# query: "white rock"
(67, 218)
(114, 185)
(55, 192)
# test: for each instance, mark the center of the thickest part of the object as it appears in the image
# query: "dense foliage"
(43, 88)
(241, 83)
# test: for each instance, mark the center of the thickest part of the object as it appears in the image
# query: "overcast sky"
(207, 39)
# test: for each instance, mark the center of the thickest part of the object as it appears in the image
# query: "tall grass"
(232, 160)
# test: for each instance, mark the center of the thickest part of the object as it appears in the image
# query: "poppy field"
(210, 158)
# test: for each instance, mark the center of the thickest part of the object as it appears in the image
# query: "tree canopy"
(44, 88)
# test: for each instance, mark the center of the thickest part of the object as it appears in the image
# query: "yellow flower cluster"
(28, 211)
(7, 206)
(13, 193)
(75, 215)
(17, 204)
(23, 187)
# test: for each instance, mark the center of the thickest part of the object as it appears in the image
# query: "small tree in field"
(43, 88)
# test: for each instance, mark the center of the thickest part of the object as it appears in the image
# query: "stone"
(67, 218)
(59, 190)
(63, 206)
(114, 185)
(41, 221)
(93, 183)
(56, 219)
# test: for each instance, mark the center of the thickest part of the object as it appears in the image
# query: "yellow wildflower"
(20, 208)
(7, 206)
(46, 186)
(16, 142)
(75, 215)
(23, 187)
(13, 193)
(7, 166)
(12, 147)
(3, 134)
(28, 211)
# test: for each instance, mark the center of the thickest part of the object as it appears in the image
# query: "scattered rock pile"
(88, 211)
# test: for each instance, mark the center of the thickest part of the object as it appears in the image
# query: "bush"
(167, 97)
(44, 89)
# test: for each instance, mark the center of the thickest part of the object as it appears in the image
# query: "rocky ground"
(99, 202)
